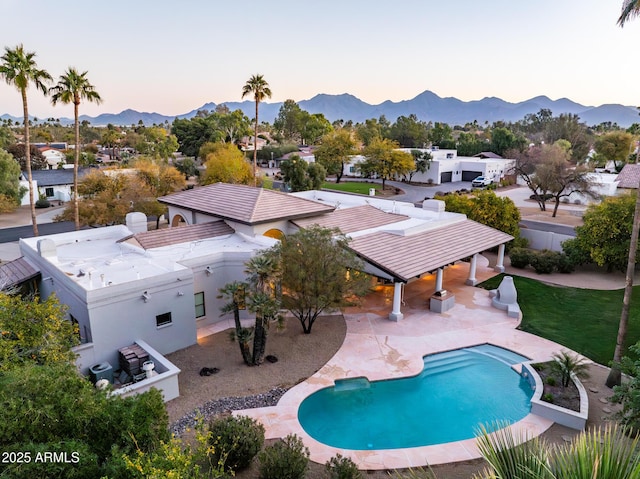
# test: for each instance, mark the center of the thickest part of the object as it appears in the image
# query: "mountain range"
(427, 106)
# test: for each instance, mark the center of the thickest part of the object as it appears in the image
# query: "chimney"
(136, 222)
(437, 206)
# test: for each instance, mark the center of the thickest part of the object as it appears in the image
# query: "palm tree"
(630, 9)
(260, 89)
(73, 87)
(19, 69)
(234, 292)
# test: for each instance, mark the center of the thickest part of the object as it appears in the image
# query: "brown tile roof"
(629, 176)
(406, 257)
(245, 204)
(353, 219)
(12, 273)
(181, 234)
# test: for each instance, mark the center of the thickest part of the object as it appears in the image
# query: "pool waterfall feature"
(456, 392)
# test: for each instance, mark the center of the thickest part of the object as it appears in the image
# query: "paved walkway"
(377, 348)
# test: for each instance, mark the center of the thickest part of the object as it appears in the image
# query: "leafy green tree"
(225, 163)
(615, 146)
(302, 176)
(628, 393)
(110, 139)
(19, 69)
(503, 139)
(187, 167)
(422, 162)
(6, 137)
(314, 127)
(469, 144)
(19, 152)
(259, 88)
(369, 131)
(73, 87)
(34, 332)
(192, 134)
(234, 125)
(487, 208)
(568, 127)
(318, 273)
(10, 190)
(409, 132)
(335, 150)
(157, 142)
(384, 159)
(441, 135)
(606, 232)
(288, 123)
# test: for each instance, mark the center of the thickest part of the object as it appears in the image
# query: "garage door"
(470, 175)
(446, 177)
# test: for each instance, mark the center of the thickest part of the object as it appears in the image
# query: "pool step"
(439, 367)
(499, 354)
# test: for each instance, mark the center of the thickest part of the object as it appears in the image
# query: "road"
(8, 235)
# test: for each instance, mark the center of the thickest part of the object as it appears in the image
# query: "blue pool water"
(455, 393)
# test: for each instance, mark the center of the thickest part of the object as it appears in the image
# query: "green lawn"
(584, 320)
(353, 187)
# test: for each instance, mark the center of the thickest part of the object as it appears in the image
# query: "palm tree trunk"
(259, 340)
(255, 149)
(27, 157)
(615, 375)
(76, 161)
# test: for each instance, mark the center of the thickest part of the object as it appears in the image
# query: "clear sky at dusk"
(173, 56)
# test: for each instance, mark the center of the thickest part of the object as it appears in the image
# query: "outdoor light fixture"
(208, 270)
(146, 296)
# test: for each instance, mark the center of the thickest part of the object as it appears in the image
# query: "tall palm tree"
(73, 87)
(259, 87)
(630, 9)
(19, 69)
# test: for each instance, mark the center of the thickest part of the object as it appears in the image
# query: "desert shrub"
(42, 203)
(547, 397)
(551, 381)
(492, 186)
(576, 254)
(340, 467)
(239, 438)
(564, 263)
(286, 459)
(543, 262)
(520, 257)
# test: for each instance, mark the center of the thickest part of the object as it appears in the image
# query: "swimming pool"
(455, 393)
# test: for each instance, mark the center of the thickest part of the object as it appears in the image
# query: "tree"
(233, 124)
(288, 123)
(110, 139)
(318, 273)
(157, 142)
(19, 69)
(259, 88)
(503, 139)
(187, 167)
(192, 134)
(314, 127)
(615, 146)
(628, 393)
(19, 152)
(606, 233)
(10, 190)
(383, 158)
(630, 9)
(441, 135)
(73, 87)
(409, 132)
(234, 293)
(422, 162)
(568, 127)
(225, 163)
(369, 131)
(161, 178)
(302, 176)
(335, 150)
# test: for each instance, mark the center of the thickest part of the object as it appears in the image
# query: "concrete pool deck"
(377, 348)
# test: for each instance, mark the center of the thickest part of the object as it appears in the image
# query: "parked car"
(481, 181)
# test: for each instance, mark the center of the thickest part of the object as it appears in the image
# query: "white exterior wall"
(54, 158)
(60, 192)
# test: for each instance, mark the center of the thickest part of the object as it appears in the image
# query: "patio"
(378, 348)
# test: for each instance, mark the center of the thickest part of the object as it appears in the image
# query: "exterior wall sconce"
(146, 296)
(208, 270)
(180, 293)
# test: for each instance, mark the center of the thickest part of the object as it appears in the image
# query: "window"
(352, 169)
(199, 299)
(163, 320)
(48, 192)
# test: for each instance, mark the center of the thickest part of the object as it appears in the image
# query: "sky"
(172, 57)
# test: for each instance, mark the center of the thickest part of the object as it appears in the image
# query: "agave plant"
(565, 364)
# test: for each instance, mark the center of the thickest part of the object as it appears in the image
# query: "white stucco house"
(54, 184)
(446, 166)
(123, 284)
(54, 157)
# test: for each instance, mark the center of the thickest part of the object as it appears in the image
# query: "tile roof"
(181, 234)
(353, 219)
(406, 257)
(629, 176)
(245, 204)
(12, 273)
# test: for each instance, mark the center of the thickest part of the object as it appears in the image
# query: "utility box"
(101, 371)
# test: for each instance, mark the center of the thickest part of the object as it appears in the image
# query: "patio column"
(471, 280)
(396, 314)
(439, 275)
(499, 268)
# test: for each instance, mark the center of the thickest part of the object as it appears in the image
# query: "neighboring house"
(55, 158)
(123, 283)
(446, 166)
(52, 184)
